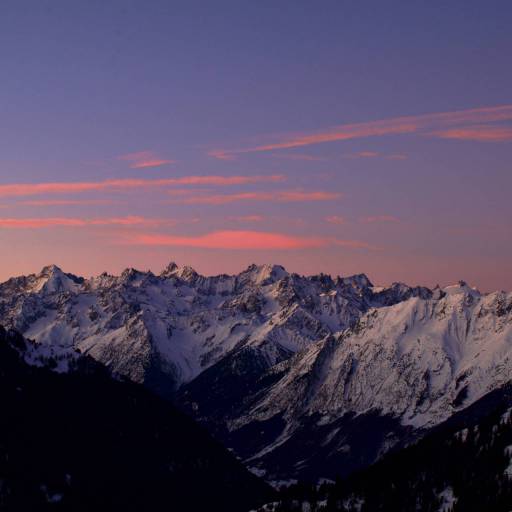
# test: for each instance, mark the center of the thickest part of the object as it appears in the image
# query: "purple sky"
(328, 136)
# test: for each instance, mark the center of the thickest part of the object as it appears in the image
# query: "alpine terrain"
(303, 377)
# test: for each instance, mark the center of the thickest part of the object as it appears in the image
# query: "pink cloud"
(353, 244)
(37, 223)
(221, 154)
(218, 199)
(298, 156)
(379, 218)
(363, 154)
(396, 156)
(186, 191)
(281, 197)
(248, 218)
(31, 189)
(248, 240)
(67, 202)
(479, 133)
(376, 154)
(335, 219)
(308, 196)
(393, 126)
(144, 159)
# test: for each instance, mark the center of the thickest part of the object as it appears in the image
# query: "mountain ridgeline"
(302, 377)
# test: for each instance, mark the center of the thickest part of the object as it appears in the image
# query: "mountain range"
(302, 377)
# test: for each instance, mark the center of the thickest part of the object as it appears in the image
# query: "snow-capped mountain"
(299, 375)
(343, 401)
(166, 329)
(419, 359)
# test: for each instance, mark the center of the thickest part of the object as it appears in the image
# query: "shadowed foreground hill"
(83, 441)
(464, 465)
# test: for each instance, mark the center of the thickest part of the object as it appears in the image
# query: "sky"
(327, 136)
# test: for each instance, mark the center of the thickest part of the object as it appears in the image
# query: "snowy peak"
(461, 288)
(50, 270)
(265, 274)
(398, 292)
(169, 270)
(359, 282)
(186, 273)
(134, 277)
(52, 279)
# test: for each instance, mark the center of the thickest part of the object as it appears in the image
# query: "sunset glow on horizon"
(222, 135)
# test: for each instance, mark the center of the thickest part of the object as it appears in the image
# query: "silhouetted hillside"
(83, 441)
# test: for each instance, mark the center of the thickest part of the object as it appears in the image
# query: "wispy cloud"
(298, 157)
(247, 218)
(37, 223)
(426, 123)
(67, 202)
(481, 133)
(145, 159)
(222, 154)
(279, 197)
(248, 240)
(363, 154)
(378, 219)
(186, 191)
(376, 154)
(335, 219)
(32, 189)
(396, 156)
(298, 195)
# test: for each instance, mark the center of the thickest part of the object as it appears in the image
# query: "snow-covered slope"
(419, 359)
(399, 370)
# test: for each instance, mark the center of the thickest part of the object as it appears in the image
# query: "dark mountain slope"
(82, 441)
(464, 465)
(315, 450)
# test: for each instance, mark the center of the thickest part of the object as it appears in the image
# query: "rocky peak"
(438, 293)
(359, 282)
(325, 280)
(133, 276)
(50, 270)
(170, 270)
(461, 288)
(52, 279)
(265, 274)
(399, 292)
(186, 273)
